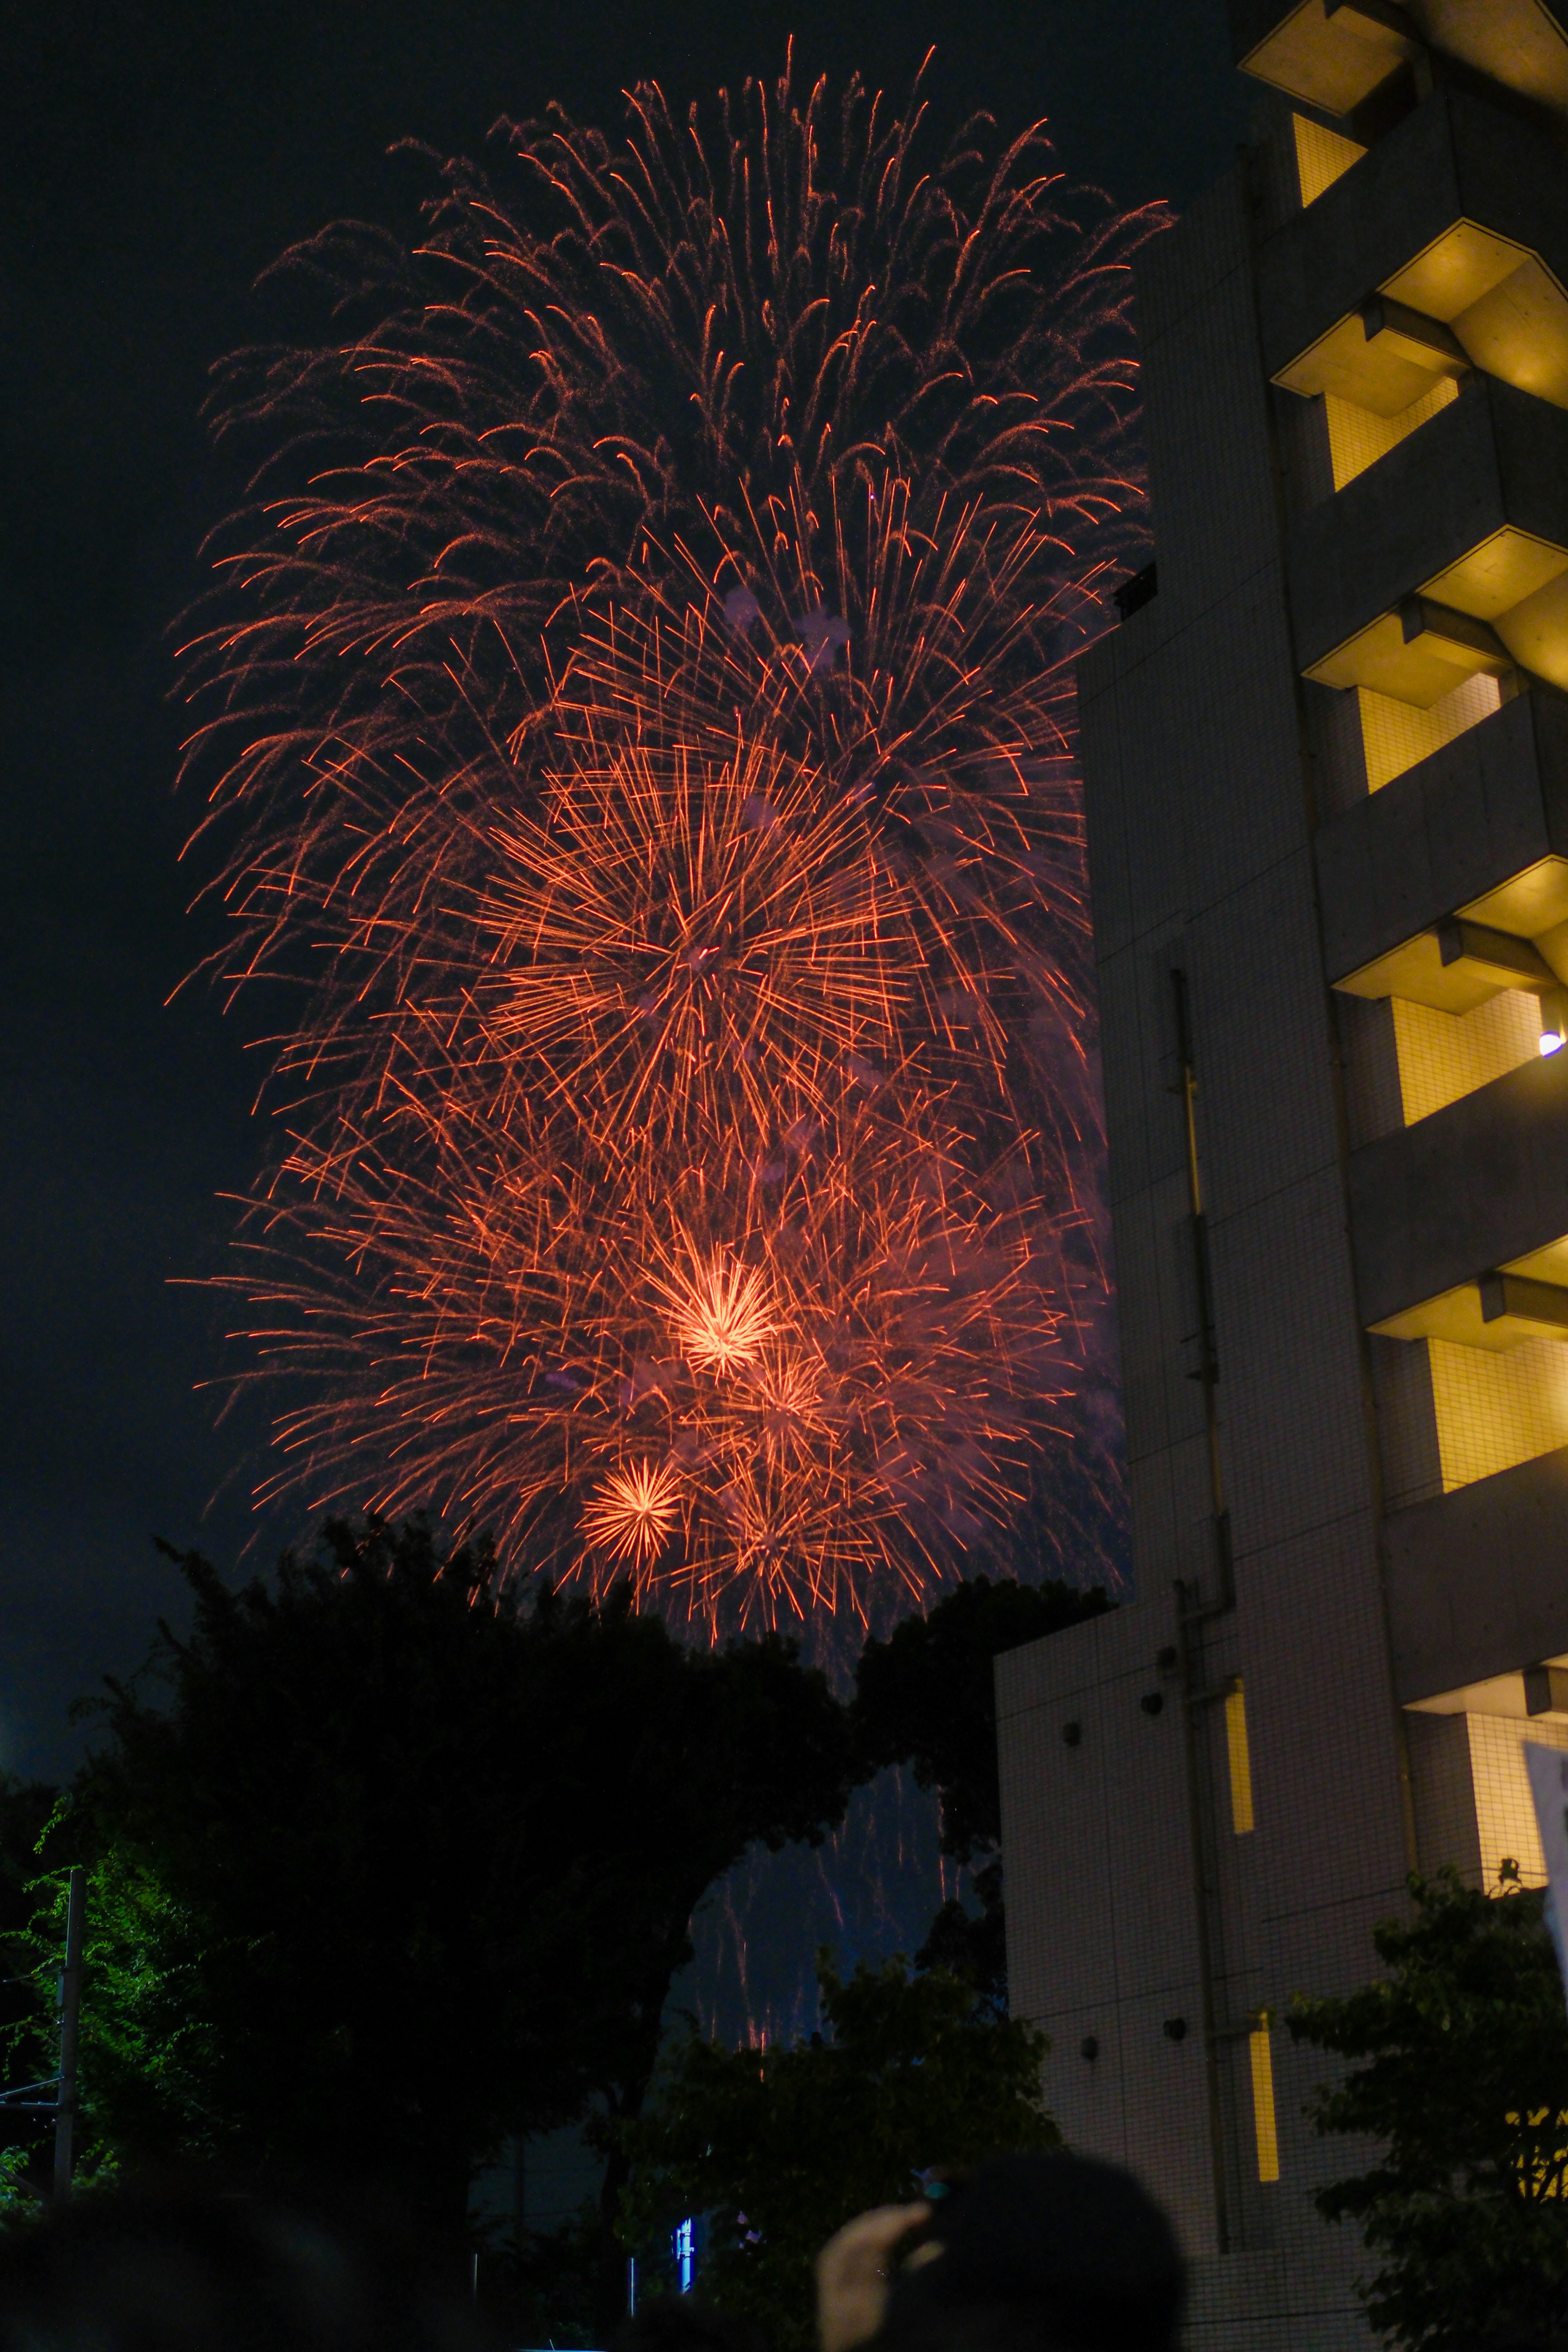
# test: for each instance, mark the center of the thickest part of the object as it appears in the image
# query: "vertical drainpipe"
(70, 2035)
(1192, 1614)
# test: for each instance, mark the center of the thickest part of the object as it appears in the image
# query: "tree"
(927, 1696)
(1465, 2081)
(29, 2045)
(779, 2147)
(399, 1864)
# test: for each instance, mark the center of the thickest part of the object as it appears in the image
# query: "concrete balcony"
(1457, 218)
(1477, 1581)
(1438, 1208)
(1333, 54)
(1448, 557)
(1332, 61)
(1479, 829)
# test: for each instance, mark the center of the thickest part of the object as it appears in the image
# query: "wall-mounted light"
(1239, 1754)
(1263, 2123)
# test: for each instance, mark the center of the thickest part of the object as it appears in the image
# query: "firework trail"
(634, 718)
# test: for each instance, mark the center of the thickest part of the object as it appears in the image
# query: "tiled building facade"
(1325, 758)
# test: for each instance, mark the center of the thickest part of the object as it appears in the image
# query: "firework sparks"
(646, 740)
(721, 1316)
(632, 1514)
(688, 942)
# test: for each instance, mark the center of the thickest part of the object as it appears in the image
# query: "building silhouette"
(1325, 759)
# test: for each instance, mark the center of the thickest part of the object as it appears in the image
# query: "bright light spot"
(722, 1317)
(634, 1512)
(1550, 1041)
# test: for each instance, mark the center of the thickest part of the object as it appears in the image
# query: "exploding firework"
(704, 946)
(645, 737)
(823, 1365)
(634, 1512)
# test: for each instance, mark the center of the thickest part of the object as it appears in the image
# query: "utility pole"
(28, 2098)
(71, 2029)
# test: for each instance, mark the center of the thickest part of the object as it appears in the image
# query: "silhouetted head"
(684, 2323)
(1053, 2252)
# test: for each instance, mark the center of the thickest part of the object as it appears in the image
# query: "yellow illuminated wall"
(1357, 437)
(1490, 1408)
(1395, 735)
(1443, 1055)
(1322, 157)
(1505, 1817)
(1496, 1409)
(1263, 2124)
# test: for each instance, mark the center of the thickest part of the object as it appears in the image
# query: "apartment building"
(1325, 760)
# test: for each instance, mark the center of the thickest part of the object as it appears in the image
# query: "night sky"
(159, 157)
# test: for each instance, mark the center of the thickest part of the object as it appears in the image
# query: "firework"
(632, 1513)
(825, 1366)
(638, 721)
(706, 943)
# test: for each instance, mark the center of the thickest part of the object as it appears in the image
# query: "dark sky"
(158, 157)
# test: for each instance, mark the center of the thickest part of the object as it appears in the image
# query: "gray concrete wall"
(1477, 1581)
(1474, 1185)
(1456, 157)
(1494, 456)
(1489, 804)
(1200, 856)
(1101, 1922)
(1206, 768)
(1443, 1795)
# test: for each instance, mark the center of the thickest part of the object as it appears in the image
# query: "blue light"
(685, 2253)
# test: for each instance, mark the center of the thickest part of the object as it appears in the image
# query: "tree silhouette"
(390, 1862)
(1464, 2079)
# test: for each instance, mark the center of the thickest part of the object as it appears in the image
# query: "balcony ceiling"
(1503, 309)
(1330, 62)
(1417, 972)
(1331, 56)
(1529, 904)
(1418, 667)
(1496, 1314)
(1522, 43)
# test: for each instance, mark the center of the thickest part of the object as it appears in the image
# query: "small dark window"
(1152, 1702)
(1140, 590)
(1073, 1734)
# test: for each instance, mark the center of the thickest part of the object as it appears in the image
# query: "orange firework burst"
(632, 1514)
(688, 940)
(721, 1315)
(646, 739)
(840, 1359)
